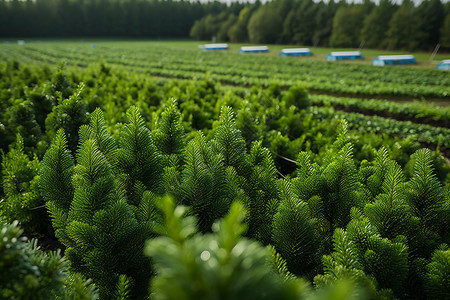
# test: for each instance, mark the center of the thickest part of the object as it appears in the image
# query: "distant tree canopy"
(347, 25)
(264, 26)
(445, 32)
(104, 18)
(385, 25)
(376, 24)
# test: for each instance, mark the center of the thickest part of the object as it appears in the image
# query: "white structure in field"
(254, 49)
(295, 52)
(214, 47)
(389, 60)
(444, 65)
(345, 55)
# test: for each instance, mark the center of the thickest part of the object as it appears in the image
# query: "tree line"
(303, 22)
(104, 18)
(337, 24)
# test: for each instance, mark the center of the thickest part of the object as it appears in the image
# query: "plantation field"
(320, 53)
(163, 171)
(184, 60)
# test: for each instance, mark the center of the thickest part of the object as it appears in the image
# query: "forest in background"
(104, 18)
(334, 24)
(303, 22)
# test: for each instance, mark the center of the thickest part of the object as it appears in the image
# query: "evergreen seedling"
(22, 200)
(216, 265)
(55, 184)
(138, 161)
(295, 234)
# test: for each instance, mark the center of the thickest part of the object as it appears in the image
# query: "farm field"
(184, 60)
(156, 166)
(423, 58)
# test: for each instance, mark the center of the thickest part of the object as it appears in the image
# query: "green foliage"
(56, 171)
(295, 234)
(89, 211)
(438, 275)
(123, 288)
(106, 238)
(22, 200)
(324, 17)
(426, 196)
(347, 24)
(431, 15)
(210, 26)
(138, 161)
(279, 264)
(169, 135)
(97, 131)
(60, 82)
(261, 194)
(343, 264)
(299, 25)
(104, 202)
(403, 28)
(69, 115)
(385, 260)
(220, 264)
(264, 25)
(376, 24)
(238, 32)
(249, 126)
(203, 183)
(20, 119)
(389, 212)
(445, 32)
(332, 189)
(298, 97)
(229, 142)
(222, 34)
(296, 22)
(26, 272)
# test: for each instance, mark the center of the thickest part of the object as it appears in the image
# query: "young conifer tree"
(56, 171)
(103, 236)
(22, 200)
(20, 119)
(437, 278)
(428, 202)
(108, 240)
(96, 130)
(295, 234)
(332, 188)
(385, 260)
(262, 193)
(343, 264)
(70, 113)
(389, 212)
(203, 183)
(169, 135)
(27, 272)
(139, 163)
(221, 264)
(229, 142)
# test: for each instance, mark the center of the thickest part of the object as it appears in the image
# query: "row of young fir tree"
(334, 224)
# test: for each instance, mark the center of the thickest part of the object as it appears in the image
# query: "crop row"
(263, 114)
(417, 112)
(248, 70)
(117, 143)
(377, 125)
